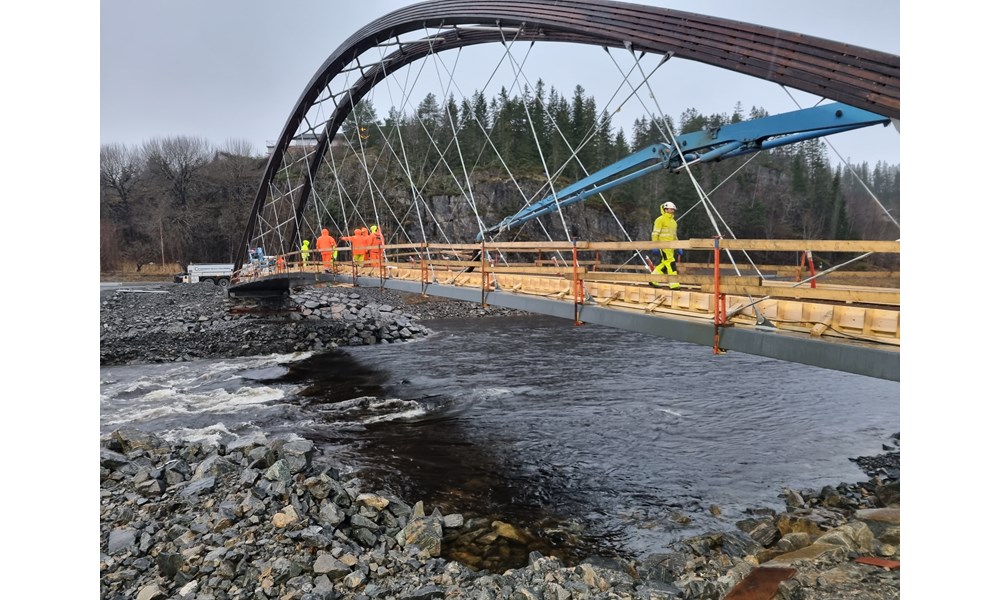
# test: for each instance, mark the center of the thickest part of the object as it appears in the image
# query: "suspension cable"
(541, 155)
(850, 168)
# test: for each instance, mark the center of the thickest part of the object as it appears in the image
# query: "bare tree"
(239, 147)
(177, 160)
(120, 167)
(231, 179)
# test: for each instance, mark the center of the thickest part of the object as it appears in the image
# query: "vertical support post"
(577, 287)
(812, 269)
(382, 270)
(425, 276)
(482, 268)
(718, 299)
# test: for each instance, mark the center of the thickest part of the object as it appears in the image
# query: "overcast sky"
(233, 69)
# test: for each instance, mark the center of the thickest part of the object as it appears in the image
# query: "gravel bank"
(171, 322)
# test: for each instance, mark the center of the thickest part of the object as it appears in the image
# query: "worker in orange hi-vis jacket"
(327, 245)
(375, 254)
(356, 241)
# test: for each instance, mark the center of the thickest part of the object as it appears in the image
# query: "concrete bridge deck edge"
(866, 359)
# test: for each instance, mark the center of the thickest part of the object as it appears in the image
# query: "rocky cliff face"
(454, 219)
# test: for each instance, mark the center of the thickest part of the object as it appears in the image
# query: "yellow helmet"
(374, 228)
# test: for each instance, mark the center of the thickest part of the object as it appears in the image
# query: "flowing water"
(595, 439)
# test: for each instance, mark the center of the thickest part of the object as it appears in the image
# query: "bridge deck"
(838, 326)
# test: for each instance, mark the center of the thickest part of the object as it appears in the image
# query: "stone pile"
(177, 322)
(258, 518)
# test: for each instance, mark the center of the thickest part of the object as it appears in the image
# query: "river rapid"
(597, 441)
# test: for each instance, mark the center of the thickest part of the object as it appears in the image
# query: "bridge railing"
(844, 301)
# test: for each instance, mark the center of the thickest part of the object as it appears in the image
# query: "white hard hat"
(667, 205)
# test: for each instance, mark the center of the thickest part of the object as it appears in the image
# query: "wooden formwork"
(827, 315)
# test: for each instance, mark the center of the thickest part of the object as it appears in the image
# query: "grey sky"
(233, 69)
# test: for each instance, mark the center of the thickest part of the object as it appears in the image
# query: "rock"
(508, 531)
(326, 564)
(312, 536)
(354, 580)
(453, 521)
(121, 539)
(811, 553)
(792, 541)
(854, 536)
(279, 471)
(199, 487)
(883, 522)
(424, 593)
(150, 592)
(169, 563)
(372, 500)
(286, 517)
(425, 534)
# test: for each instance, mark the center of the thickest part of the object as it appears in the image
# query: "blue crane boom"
(713, 144)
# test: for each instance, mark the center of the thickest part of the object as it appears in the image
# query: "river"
(595, 439)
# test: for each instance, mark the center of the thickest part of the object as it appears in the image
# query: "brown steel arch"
(860, 77)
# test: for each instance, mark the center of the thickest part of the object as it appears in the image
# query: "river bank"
(825, 530)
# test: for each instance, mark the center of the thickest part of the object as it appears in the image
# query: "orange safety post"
(425, 276)
(718, 300)
(577, 287)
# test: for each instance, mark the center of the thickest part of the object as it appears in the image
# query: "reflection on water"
(592, 439)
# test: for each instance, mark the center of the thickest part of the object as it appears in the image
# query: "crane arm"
(713, 144)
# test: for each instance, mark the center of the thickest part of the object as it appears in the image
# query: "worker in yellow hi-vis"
(665, 230)
(305, 253)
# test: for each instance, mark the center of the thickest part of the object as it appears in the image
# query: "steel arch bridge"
(285, 208)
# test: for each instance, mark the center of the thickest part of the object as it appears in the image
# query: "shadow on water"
(418, 448)
(333, 377)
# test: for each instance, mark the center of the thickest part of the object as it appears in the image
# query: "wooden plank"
(465, 247)
(454, 263)
(886, 246)
(688, 279)
(567, 271)
(867, 297)
(790, 270)
(801, 245)
(542, 263)
(762, 245)
(540, 246)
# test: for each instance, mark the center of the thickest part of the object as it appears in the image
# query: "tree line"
(181, 199)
